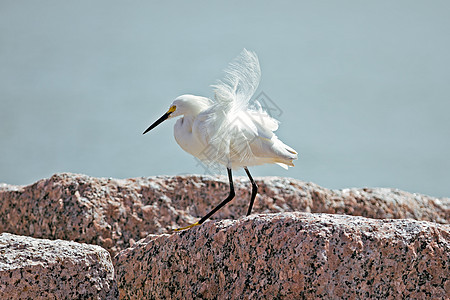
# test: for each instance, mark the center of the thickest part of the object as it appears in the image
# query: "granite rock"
(42, 269)
(291, 256)
(114, 213)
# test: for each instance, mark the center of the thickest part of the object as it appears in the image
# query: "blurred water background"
(363, 87)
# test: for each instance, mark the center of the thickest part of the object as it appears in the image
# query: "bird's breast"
(185, 138)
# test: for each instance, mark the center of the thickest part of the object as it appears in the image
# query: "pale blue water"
(363, 87)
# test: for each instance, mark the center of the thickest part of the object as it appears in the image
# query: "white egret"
(228, 130)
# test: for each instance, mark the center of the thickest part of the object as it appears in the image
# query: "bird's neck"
(198, 106)
(187, 120)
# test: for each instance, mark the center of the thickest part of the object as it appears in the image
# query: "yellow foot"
(187, 227)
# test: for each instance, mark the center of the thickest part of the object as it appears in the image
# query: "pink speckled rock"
(114, 213)
(291, 256)
(43, 269)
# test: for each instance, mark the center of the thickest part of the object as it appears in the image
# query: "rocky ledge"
(42, 269)
(355, 250)
(114, 213)
(293, 256)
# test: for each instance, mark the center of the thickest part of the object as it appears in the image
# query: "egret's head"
(188, 105)
(183, 105)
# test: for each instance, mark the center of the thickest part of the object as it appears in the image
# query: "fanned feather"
(231, 123)
(241, 80)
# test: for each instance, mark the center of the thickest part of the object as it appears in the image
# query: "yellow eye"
(172, 109)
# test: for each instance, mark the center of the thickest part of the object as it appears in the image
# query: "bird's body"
(228, 130)
(250, 131)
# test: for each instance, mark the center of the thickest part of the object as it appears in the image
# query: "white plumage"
(228, 129)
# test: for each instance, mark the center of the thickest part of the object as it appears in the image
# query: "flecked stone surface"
(42, 269)
(291, 256)
(115, 213)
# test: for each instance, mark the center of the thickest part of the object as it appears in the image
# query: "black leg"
(228, 199)
(254, 191)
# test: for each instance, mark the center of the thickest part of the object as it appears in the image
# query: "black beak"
(159, 121)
